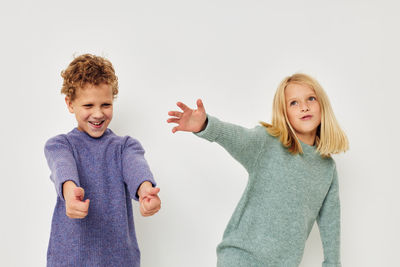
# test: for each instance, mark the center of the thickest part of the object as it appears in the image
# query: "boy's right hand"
(189, 120)
(75, 207)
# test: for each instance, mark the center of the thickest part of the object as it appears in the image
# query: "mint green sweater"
(284, 196)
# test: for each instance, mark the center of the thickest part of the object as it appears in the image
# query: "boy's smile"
(93, 108)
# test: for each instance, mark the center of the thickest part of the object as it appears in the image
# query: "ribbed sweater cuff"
(326, 264)
(59, 186)
(150, 179)
(212, 130)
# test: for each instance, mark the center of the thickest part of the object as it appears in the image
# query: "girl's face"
(93, 108)
(303, 111)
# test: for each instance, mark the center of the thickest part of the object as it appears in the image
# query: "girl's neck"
(308, 139)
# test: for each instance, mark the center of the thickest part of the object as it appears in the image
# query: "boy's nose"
(97, 113)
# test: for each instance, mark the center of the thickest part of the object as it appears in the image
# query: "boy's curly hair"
(88, 69)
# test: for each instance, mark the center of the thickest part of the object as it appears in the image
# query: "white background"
(232, 54)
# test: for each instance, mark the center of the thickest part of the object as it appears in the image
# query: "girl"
(292, 177)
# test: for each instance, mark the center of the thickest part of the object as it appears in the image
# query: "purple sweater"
(110, 169)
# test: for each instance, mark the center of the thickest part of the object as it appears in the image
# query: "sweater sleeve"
(135, 169)
(329, 225)
(61, 161)
(243, 144)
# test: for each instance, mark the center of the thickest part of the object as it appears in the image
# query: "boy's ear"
(69, 104)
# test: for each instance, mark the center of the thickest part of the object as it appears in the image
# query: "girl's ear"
(69, 104)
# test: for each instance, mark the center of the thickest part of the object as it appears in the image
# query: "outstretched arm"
(61, 162)
(189, 120)
(135, 169)
(329, 225)
(64, 174)
(242, 143)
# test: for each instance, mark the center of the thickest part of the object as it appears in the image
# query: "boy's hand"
(189, 120)
(150, 203)
(75, 207)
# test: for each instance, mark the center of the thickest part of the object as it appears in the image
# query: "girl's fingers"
(183, 106)
(200, 105)
(175, 129)
(173, 120)
(175, 114)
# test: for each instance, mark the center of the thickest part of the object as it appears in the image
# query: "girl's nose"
(304, 107)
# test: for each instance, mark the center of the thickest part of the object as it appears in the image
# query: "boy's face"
(93, 108)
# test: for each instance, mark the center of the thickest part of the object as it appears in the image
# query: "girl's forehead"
(298, 89)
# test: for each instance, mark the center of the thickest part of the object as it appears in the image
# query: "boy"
(108, 170)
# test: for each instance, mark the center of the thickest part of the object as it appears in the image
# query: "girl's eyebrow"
(308, 95)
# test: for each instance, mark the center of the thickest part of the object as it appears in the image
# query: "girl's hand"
(189, 120)
(75, 207)
(149, 201)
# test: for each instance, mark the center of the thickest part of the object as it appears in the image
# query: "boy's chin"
(93, 133)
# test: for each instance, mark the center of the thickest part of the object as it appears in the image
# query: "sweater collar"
(307, 148)
(79, 133)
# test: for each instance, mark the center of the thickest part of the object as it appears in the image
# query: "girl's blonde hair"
(330, 137)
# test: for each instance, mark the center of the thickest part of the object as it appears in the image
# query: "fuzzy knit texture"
(110, 169)
(284, 196)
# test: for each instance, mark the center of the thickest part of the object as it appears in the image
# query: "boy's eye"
(88, 105)
(106, 105)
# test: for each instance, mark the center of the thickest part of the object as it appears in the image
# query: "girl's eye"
(293, 103)
(312, 98)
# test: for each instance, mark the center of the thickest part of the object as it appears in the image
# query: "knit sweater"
(110, 169)
(284, 196)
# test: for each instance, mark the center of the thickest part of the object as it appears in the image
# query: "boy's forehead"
(93, 90)
(94, 86)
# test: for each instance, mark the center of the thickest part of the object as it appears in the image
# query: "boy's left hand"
(150, 203)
